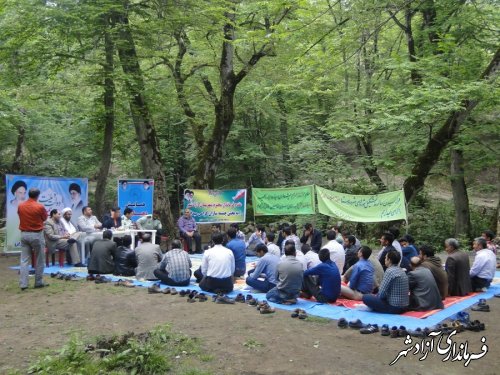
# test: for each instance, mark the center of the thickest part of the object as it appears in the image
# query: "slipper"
(370, 328)
(342, 323)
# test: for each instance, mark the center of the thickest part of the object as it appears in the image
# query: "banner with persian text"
(284, 201)
(216, 206)
(55, 193)
(362, 208)
(136, 194)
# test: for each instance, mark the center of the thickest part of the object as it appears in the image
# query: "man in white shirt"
(272, 248)
(88, 224)
(67, 215)
(217, 267)
(337, 253)
(312, 258)
(483, 269)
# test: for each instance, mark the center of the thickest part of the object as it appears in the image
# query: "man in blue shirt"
(238, 247)
(188, 231)
(265, 269)
(328, 287)
(361, 280)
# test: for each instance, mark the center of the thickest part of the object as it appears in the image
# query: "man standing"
(148, 256)
(337, 254)
(266, 270)
(392, 297)
(457, 267)
(32, 216)
(327, 289)
(187, 229)
(289, 275)
(312, 237)
(484, 266)
(59, 239)
(238, 248)
(103, 254)
(175, 267)
(217, 268)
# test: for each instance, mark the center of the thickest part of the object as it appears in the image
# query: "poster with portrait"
(136, 194)
(55, 192)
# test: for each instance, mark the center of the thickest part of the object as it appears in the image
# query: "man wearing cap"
(76, 201)
(59, 239)
(67, 215)
(32, 216)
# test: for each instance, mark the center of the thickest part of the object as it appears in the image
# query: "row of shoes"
(65, 276)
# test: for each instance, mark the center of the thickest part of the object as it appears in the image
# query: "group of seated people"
(62, 234)
(402, 277)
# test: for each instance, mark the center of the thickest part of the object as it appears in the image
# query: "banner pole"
(406, 209)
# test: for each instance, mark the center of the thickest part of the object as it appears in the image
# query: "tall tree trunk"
(109, 124)
(429, 157)
(460, 197)
(151, 160)
(17, 163)
(285, 144)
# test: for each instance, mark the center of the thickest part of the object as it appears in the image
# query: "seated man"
(114, 220)
(299, 255)
(217, 268)
(67, 220)
(265, 269)
(327, 287)
(312, 237)
(187, 230)
(386, 240)
(362, 278)
(457, 268)
(392, 297)
(378, 273)
(257, 237)
(217, 228)
(127, 222)
(288, 233)
(103, 254)
(272, 248)
(289, 275)
(148, 256)
(311, 257)
(424, 293)
(175, 267)
(237, 246)
(151, 222)
(433, 263)
(125, 260)
(408, 249)
(351, 251)
(483, 269)
(57, 238)
(88, 224)
(239, 234)
(337, 253)
(489, 236)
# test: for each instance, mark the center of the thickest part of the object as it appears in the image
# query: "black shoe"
(71, 241)
(41, 286)
(24, 288)
(79, 265)
(371, 328)
(356, 324)
(342, 323)
(483, 308)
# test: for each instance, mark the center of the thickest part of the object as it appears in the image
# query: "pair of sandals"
(299, 313)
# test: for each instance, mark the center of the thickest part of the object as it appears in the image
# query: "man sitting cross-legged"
(58, 238)
(327, 287)
(392, 297)
(289, 275)
(217, 268)
(266, 270)
(238, 247)
(175, 267)
(102, 256)
(361, 280)
(424, 293)
(125, 260)
(148, 256)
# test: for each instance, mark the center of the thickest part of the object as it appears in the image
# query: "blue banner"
(137, 195)
(55, 192)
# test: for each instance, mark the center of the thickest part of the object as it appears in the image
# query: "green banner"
(362, 208)
(284, 201)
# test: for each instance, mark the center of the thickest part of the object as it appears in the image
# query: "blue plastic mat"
(318, 309)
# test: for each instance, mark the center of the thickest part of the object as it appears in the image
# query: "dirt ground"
(240, 340)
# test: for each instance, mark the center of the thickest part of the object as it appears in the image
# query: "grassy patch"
(318, 319)
(155, 352)
(252, 344)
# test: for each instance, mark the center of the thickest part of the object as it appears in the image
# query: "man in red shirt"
(32, 216)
